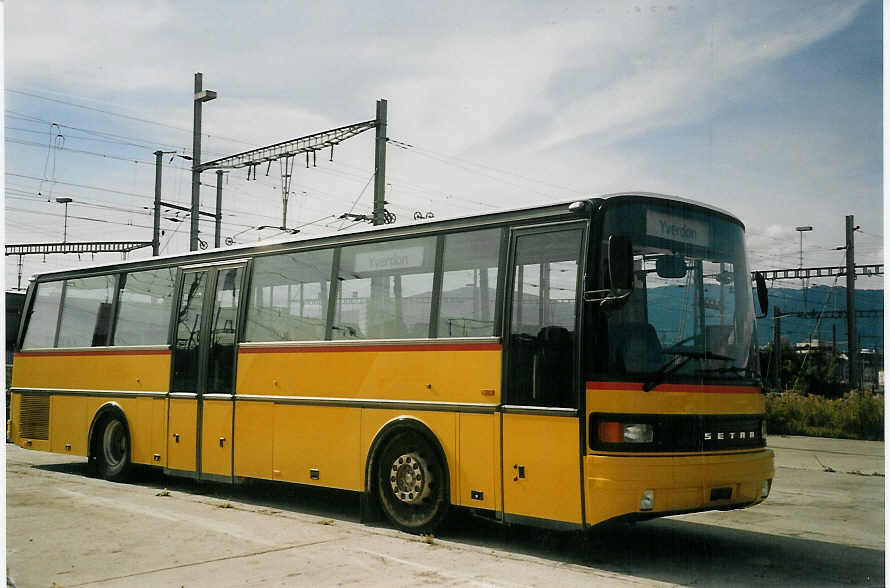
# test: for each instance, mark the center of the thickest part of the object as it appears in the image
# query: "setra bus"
(561, 366)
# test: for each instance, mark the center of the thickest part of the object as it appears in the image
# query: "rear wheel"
(412, 483)
(113, 455)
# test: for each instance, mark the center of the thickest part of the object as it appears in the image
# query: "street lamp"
(201, 96)
(65, 201)
(803, 230)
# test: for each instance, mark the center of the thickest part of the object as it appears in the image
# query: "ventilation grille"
(34, 417)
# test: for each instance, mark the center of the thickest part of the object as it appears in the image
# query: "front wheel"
(113, 455)
(412, 483)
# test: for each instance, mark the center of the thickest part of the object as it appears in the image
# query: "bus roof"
(329, 238)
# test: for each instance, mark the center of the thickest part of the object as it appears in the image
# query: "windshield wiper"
(674, 365)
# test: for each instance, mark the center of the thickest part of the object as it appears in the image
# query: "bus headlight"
(614, 432)
(765, 488)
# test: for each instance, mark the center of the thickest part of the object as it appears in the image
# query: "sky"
(770, 110)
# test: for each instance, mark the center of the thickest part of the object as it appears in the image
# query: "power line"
(467, 163)
(121, 115)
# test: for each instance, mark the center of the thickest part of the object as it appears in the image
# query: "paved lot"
(822, 525)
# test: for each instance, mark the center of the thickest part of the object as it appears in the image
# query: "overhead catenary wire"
(119, 114)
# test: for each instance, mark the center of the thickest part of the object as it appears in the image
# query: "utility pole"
(380, 164)
(66, 201)
(156, 227)
(777, 328)
(852, 340)
(803, 230)
(219, 176)
(201, 96)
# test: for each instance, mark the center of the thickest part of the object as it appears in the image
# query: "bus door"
(540, 417)
(203, 378)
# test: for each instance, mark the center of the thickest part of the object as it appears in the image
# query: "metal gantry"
(285, 154)
(287, 149)
(85, 247)
(870, 269)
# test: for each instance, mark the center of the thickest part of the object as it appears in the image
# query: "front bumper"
(615, 484)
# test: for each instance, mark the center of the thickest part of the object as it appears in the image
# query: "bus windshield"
(690, 316)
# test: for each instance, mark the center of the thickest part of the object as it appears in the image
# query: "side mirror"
(621, 263)
(762, 298)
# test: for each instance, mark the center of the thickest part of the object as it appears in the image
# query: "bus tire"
(113, 449)
(412, 482)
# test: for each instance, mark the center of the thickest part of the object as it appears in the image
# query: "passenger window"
(385, 290)
(469, 284)
(44, 317)
(144, 305)
(289, 297)
(86, 312)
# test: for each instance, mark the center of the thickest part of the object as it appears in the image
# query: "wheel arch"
(106, 410)
(388, 430)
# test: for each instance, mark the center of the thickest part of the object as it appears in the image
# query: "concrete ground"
(823, 525)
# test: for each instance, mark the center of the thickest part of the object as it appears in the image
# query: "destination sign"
(389, 259)
(677, 228)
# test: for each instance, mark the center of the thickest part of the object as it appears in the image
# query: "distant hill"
(869, 329)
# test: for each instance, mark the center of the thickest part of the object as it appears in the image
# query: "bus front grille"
(34, 417)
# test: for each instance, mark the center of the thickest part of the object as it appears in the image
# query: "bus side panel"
(159, 430)
(183, 422)
(479, 464)
(547, 448)
(106, 370)
(442, 424)
(421, 373)
(69, 424)
(216, 438)
(140, 416)
(318, 445)
(254, 426)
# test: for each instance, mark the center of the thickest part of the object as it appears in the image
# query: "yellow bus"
(561, 366)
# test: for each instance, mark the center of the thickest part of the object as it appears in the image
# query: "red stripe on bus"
(366, 348)
(691, 388)
(81, 353)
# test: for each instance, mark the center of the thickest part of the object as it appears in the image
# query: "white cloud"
(574, 94)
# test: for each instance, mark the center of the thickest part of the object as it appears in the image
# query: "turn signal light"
(615, 432)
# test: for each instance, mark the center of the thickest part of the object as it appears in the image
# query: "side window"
(44, 317)
(385, 290)
(86, 312)
(469, 284)
(144, 306)
(289, 297)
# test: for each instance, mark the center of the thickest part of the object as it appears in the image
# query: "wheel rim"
(114, 443)
(409, 478)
